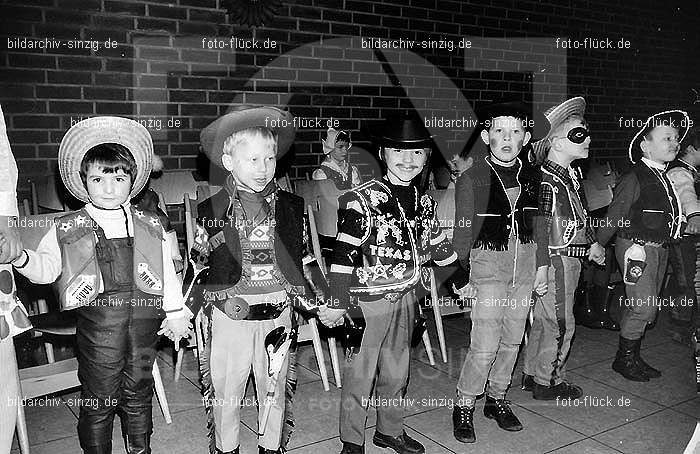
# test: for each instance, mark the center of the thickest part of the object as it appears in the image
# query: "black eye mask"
(578, 135)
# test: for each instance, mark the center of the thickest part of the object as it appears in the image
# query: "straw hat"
(243, 117)
(675, 118)
(91, 132)
(556, 116)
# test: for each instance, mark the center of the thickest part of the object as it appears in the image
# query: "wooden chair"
(307, 332)
(61, 375)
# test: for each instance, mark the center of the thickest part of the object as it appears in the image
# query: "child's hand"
(176, 329)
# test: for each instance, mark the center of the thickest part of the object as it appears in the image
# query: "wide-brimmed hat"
(674, 118)
(331, 139)
(91, 132)
(243, 117)
(555, 117)
(402, 131)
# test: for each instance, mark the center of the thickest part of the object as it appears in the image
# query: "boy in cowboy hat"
(114, 266)
(563, 238)
(13, 317)
(255, 244)
(386, 235)
(495, 203)
(646, 214)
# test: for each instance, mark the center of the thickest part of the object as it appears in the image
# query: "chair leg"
(428, 347)
(437, 312)
(334, 361)
(178, 363)
(160, 394)
(22, 436)
(320, 359)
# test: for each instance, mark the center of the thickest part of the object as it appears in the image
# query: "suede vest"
(80, 280)
(342, 182)
(493, 219)
(393, 247)
(568, 214)
(651, 216)
(226, 277)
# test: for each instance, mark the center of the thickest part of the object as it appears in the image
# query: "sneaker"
(463, 424)
(403, 444)
(527, 383)
(499, 409)
(561, 391)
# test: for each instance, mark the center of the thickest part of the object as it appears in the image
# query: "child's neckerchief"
(255, 205)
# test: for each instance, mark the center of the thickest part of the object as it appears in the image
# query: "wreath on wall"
(252, 13)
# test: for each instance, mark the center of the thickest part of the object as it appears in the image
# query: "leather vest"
(569, 217)
(651, 217)
(393, 247)
(494, 218)
(81, 280)
(226, 260)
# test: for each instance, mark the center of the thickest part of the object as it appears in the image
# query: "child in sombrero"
(112, 263)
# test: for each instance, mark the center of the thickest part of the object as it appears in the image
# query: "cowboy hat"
(674, 118)
(243, 117)
(94, 131)
(405, 131)
(555, 117)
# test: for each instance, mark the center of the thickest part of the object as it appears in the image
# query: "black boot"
(262, 450)
(648, 370)
(463, 424)
(584, 308)
(626, 362)
(562, 391)
(352, 448)
(403, 444)
(527, 382)
(235, 451)
(499, 409)
(603, 296)
(101, 449)
(138, 444)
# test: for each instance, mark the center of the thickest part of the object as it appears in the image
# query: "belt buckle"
(237, 308)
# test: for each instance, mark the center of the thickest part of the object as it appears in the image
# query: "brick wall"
(161, 69)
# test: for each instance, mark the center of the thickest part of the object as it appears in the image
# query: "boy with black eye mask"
(563, 238)
(495, 203)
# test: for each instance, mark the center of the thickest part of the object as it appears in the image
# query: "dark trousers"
(116, 351)
(641, 304)
(383, 363)
(683, 259)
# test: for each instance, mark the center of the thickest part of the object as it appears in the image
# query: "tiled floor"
(617, 415)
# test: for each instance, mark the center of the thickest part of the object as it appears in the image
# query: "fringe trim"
(208, 389)
(289, 391)
(499, 245)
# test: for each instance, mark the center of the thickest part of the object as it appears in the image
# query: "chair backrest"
(445, 208)
(322, 196)
(173, 185)
(47, 192)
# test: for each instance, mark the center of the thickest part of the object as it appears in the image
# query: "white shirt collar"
(653, 164)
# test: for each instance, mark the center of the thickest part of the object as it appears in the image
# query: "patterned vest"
(568, 214)
(80, 280)
(393, 247)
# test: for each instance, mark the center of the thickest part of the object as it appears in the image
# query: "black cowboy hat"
(402, 131)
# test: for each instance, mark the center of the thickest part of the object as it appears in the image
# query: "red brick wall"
(159, 69)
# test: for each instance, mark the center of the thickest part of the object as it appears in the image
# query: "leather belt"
(238, 309)
(573, 250)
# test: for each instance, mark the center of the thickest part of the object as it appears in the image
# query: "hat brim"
(279, 121)
(91, 132)
(555, 117)
(679, 118)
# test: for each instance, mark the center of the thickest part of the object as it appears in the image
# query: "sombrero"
(243, 117)
(675, 118)
(556, 116)
(91, 132)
